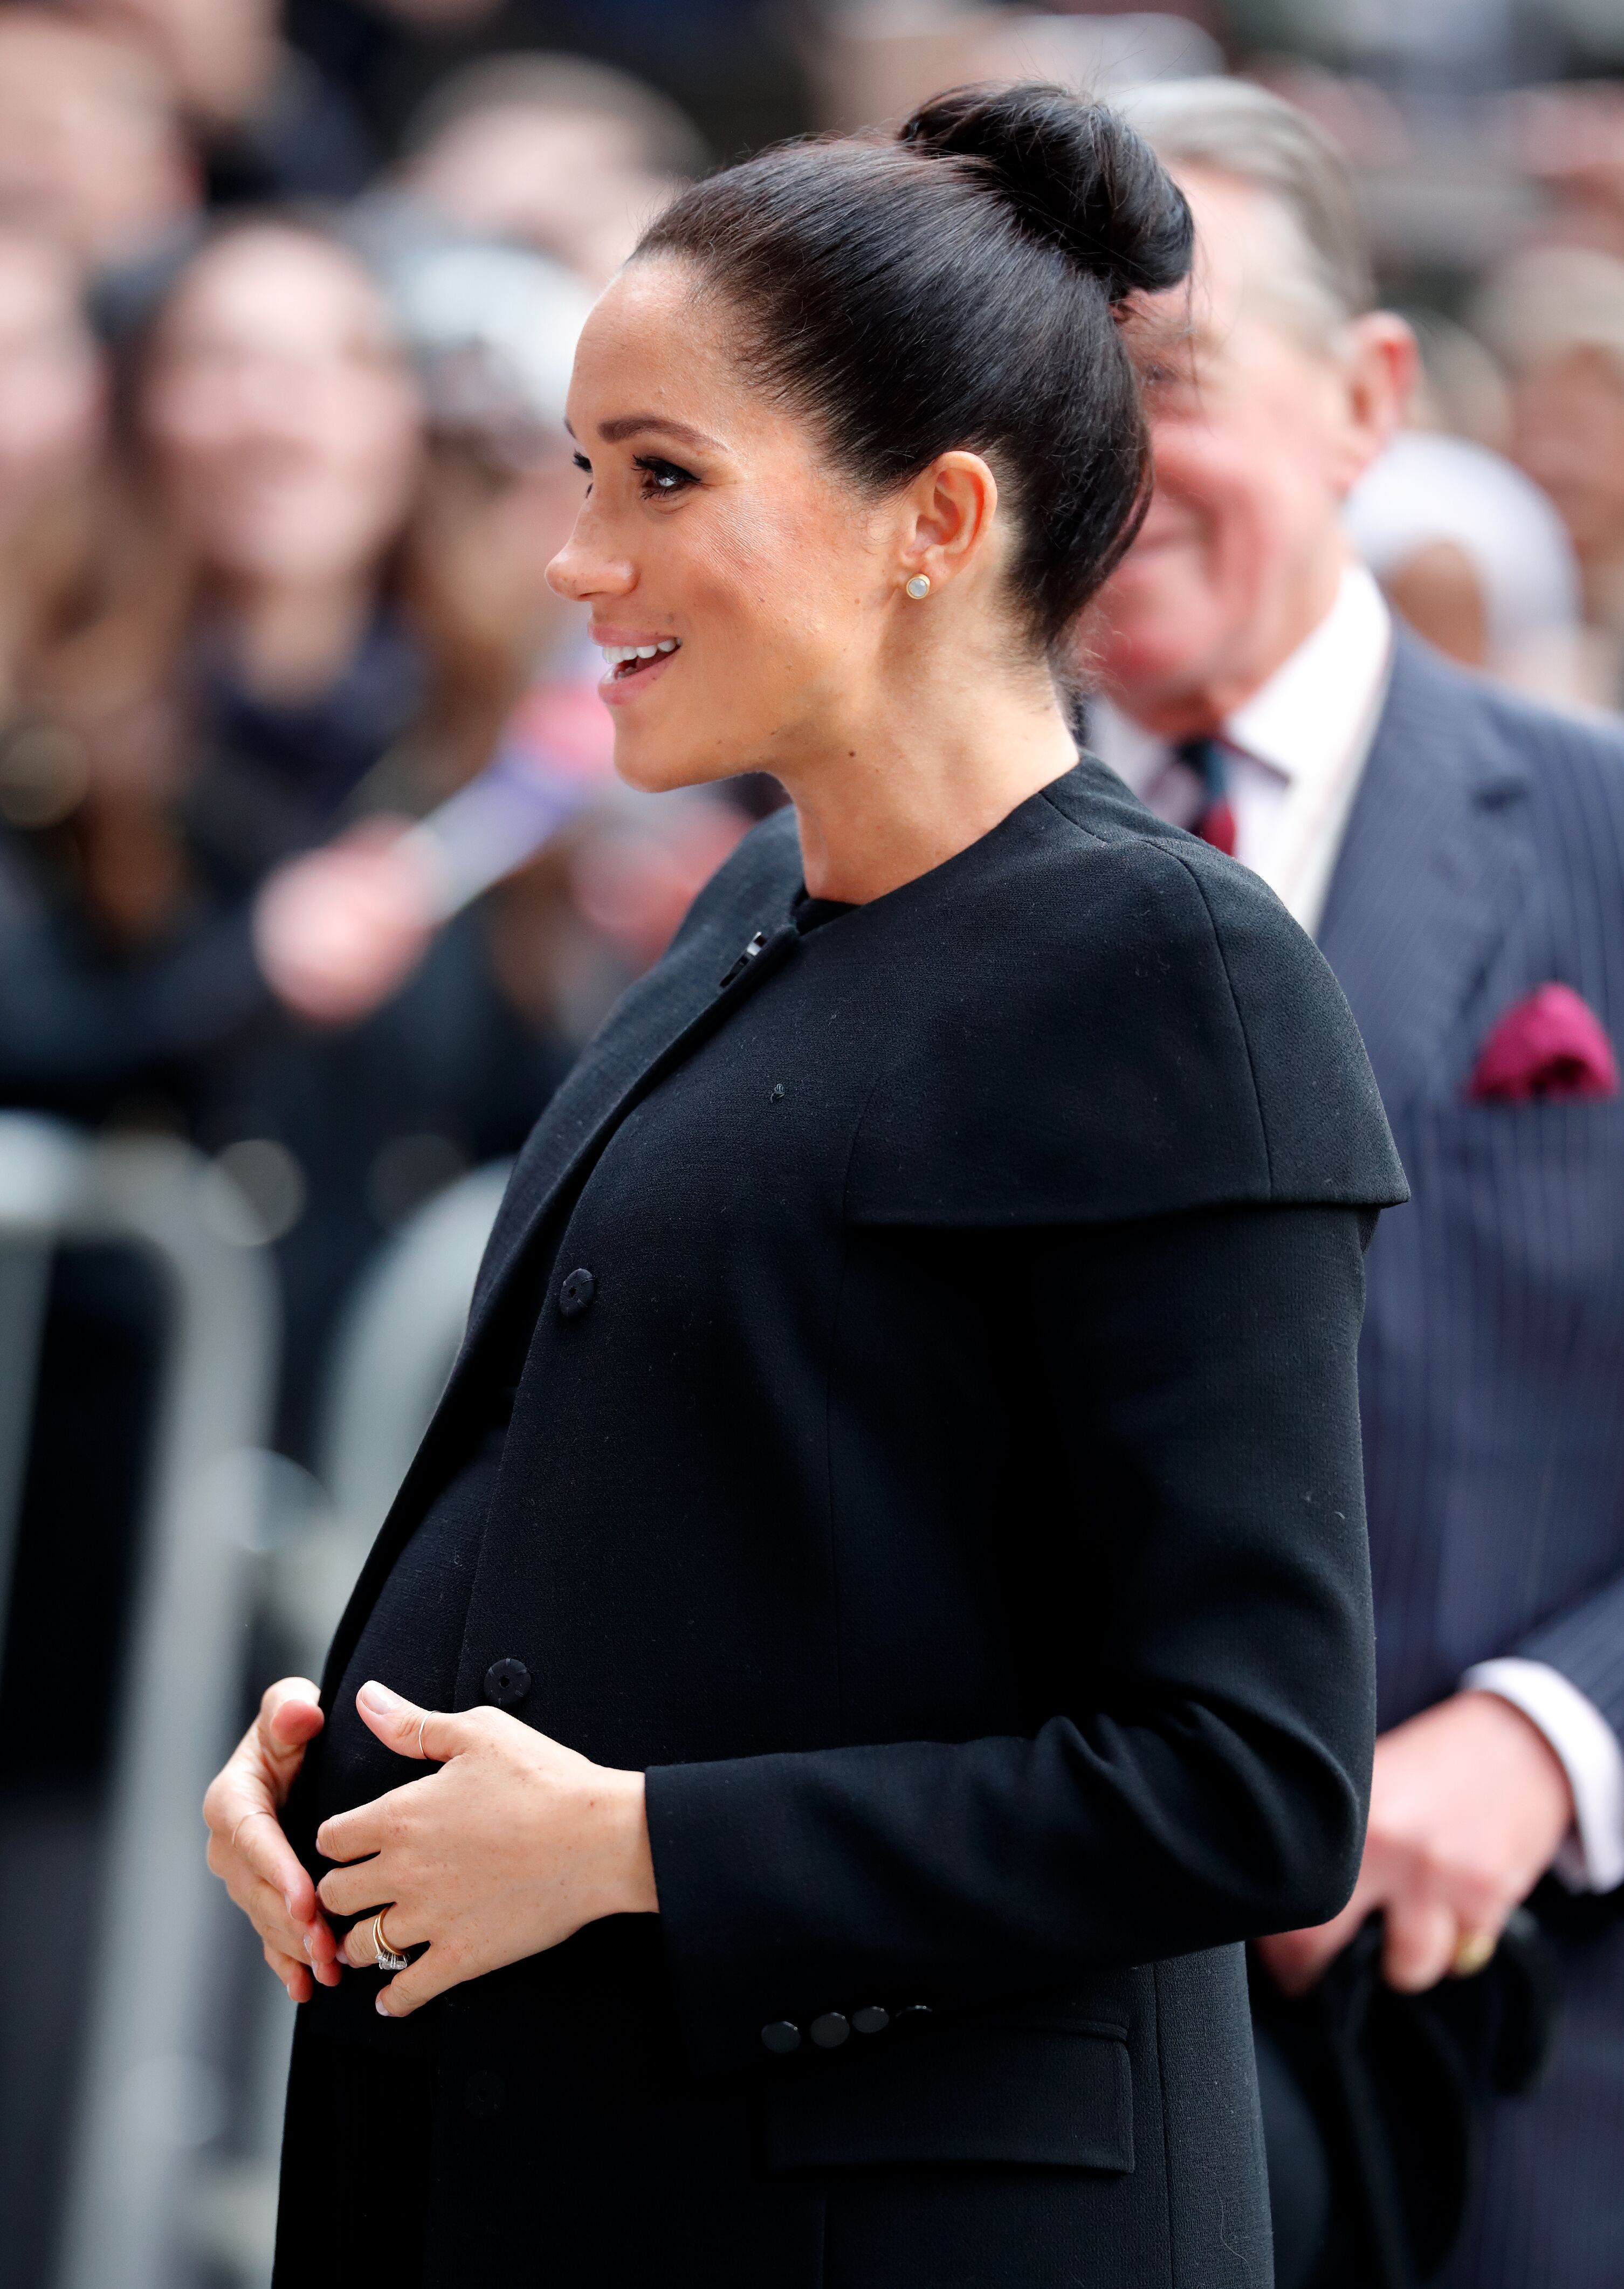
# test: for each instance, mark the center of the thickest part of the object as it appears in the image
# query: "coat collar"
(1432, 868)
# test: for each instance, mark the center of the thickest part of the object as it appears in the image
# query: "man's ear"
(1381, 365)
(950, 511)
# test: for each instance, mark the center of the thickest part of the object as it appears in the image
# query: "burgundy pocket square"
(1552, 1045)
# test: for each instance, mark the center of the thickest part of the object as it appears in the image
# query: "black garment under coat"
(947, 1487)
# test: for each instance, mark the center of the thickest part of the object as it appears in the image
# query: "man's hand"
(511, 1847)
(250, 1853)
(1468, 1805)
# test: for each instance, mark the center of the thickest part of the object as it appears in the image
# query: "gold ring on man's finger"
(383, 1954)
(1474, 1952)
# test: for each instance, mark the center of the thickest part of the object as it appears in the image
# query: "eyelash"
(665, 479)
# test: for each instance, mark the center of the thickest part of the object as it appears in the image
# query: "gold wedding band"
(383, 1954)
(1474, 1952)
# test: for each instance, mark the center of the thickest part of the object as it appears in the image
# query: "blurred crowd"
(311, 852)
(309, 847)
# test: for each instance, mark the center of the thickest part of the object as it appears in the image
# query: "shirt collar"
(1301, 721)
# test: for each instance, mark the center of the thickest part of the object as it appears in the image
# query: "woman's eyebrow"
(633, 424)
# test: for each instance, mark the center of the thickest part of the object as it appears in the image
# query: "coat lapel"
(1433, 867)
(659, 1022)
(654, 1025)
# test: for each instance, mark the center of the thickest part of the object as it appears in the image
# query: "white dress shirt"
(1295, 750)
(1295, 753)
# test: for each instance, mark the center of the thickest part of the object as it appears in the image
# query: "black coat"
(950, 1493)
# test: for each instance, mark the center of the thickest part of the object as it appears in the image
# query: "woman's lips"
(629, 678)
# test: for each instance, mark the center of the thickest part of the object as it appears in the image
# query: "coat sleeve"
(1202, 1776)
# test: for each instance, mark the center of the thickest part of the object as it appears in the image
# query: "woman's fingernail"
(379, 2006)
(310, 1945)
(379, 1699)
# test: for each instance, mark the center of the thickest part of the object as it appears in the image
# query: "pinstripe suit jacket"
(1483, 857)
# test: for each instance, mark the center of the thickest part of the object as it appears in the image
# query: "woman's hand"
(514, 1844)
(248, 1850)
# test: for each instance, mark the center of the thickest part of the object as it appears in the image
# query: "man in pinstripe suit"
(1454, 850)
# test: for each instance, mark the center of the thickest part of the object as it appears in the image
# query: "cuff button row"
(783, 2036)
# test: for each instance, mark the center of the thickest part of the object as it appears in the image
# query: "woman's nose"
(582, 571)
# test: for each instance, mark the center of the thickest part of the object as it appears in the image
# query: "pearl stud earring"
(919, 586)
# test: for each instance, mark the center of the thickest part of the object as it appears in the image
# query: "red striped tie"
(1214, 822)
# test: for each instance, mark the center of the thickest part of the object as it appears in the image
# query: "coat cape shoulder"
(1087, 1015)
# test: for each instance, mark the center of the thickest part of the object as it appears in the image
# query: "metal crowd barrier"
(143, 2071)
(153, 2196)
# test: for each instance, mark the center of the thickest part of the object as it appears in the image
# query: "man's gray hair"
(1235, 128)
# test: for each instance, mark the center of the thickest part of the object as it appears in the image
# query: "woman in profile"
(882, 1612)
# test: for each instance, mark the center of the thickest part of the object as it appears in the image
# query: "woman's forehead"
(656, 342)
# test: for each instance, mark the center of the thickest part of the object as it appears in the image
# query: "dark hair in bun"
(957, 288)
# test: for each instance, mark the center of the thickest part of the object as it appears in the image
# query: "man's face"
(1240, 555)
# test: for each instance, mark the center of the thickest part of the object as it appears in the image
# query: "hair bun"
(1075, 174)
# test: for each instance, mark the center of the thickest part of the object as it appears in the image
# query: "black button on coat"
(952, 1501)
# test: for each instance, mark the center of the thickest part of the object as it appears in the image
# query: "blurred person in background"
(273, 638)
(266, 121)
(572, 157)
(1473, 557)
(735, 66)
(52, 387)
(52, 423)
(93, 148)
(1554, 317)
(1459, 853)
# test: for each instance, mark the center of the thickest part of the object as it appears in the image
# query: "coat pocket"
(1049, 2095)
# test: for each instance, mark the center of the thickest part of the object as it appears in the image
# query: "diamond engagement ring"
(383, 1954)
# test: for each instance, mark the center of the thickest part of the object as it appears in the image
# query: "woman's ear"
(948, 515)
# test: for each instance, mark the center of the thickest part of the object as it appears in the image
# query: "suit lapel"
(1433, 866)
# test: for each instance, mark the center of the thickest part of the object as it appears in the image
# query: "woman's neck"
(901, 795)
(292, 641)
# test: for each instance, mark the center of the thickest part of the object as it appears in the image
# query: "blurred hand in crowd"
(91, 151)
(248, 1850)
(1469, 1806)
(53, 394)
(340, 930)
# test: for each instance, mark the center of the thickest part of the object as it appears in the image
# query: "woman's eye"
(582, 463)
(662, 477)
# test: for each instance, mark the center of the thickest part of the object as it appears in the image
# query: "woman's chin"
(657, 765)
